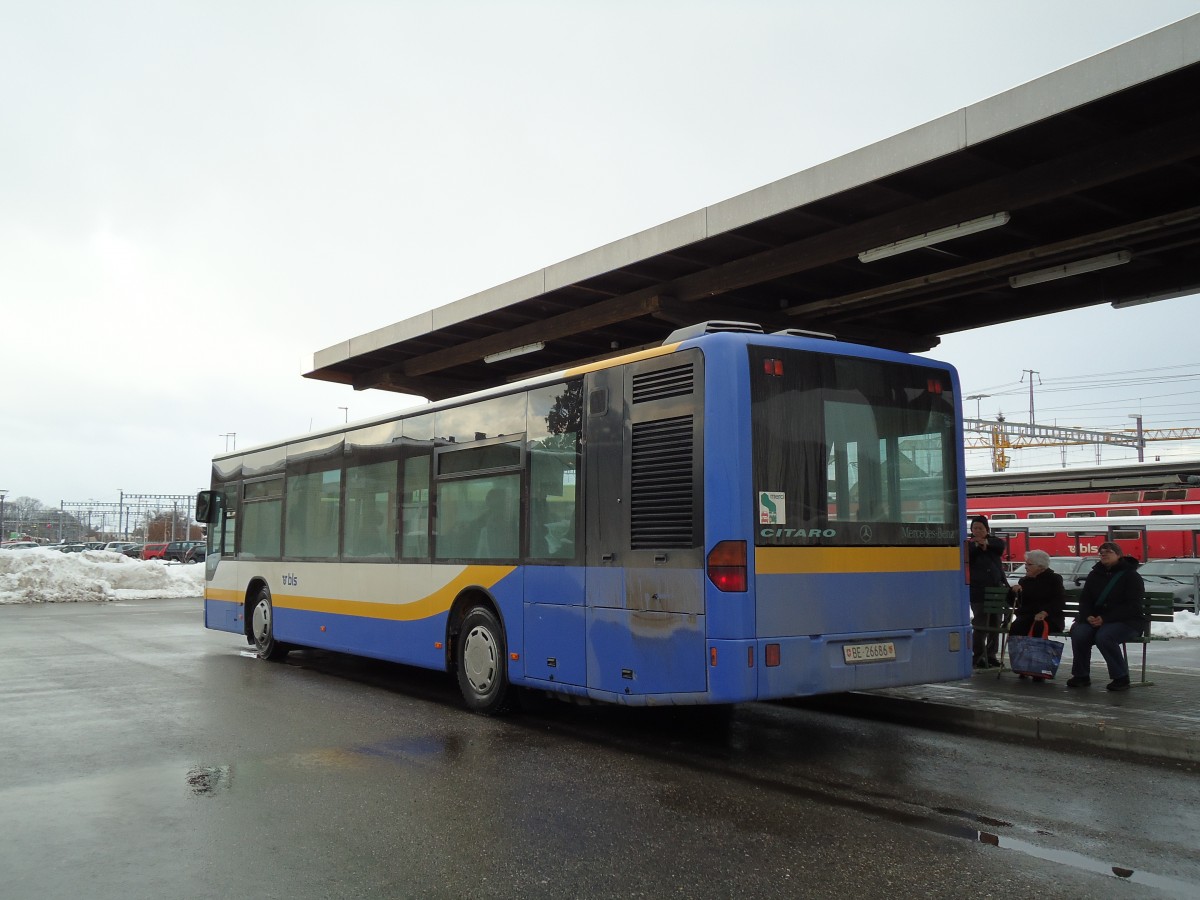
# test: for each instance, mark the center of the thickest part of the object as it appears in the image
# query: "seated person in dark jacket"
(1039, 596)
(1110, 613)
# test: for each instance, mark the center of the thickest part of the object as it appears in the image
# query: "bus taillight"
(727, 566)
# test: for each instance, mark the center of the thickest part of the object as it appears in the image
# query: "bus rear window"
(852, 452)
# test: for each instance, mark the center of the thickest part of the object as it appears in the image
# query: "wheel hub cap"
(479, 659)
(261, 622)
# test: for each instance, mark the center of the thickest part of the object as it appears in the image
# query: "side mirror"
(204, 506)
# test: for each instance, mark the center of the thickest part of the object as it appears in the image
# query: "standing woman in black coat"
(1040, 596)
(985, 568)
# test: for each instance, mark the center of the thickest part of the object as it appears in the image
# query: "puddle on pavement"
(206, 781)
(413, 749)
(1087, 864)
(1062, 857)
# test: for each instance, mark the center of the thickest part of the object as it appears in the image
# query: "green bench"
(1158, 606)
(995, 603)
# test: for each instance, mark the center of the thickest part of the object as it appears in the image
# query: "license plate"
(860, 653)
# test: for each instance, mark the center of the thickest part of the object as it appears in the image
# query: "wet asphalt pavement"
(141, 756)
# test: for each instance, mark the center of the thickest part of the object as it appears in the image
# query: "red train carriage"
(1147, 489)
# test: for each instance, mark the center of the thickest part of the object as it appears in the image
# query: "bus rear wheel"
(262, 628)
(482, 664)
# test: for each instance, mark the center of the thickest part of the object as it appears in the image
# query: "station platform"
(1158, 719)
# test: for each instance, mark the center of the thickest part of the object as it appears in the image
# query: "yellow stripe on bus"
(437, 602)
(212, 593)
(822, 560)
(621, 360)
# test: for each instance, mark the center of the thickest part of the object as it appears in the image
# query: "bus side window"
(313, 510)
(552, 526)
(370, 490)
(224, 542)
(479, 518)
(262, 509)
(555, 421)
(414, 509)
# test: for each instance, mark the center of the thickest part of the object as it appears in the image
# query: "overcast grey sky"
(195, 196)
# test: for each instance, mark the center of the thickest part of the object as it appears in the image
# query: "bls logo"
(1083, 548)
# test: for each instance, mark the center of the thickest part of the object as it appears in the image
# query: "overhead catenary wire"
(1152, 393)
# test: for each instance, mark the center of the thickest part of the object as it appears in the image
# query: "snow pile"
(48, 576)
(1186, 625)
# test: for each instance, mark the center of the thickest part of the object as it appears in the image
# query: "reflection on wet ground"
(1063, 857)
(1087, 864)
(410, 749)
(755, 744)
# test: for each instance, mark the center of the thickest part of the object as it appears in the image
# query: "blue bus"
(731, 516)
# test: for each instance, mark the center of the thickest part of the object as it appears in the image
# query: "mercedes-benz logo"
(865, 534)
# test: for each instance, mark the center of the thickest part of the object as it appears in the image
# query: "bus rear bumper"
(738, 671)
(827, 664)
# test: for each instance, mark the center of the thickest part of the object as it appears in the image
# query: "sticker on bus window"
(772, 508)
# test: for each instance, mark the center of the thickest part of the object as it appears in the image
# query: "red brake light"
(726, 566)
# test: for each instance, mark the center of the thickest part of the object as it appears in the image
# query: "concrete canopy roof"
(1097, 161)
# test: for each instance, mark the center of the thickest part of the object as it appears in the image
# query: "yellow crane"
(1000, 436)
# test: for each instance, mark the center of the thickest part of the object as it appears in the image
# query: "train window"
(1122, 512)
(1082, 514)
(1152, 495)
(1123, 497)
(1001, 517)
(1162, 512)
(1041, 515)
(1127, 535)
(1175, 495)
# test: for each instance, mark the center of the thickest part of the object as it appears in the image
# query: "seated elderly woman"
(1039, 595)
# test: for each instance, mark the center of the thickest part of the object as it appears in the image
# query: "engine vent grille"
(676, 381)
(662, 504)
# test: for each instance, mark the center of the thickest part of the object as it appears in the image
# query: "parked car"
(93, 545)
(1069, 567)
(120, 546)
(154, 550)
(1175, 575)
(134, 552)
(19, 545)
(1073, 569)
(177, 549)
(196, 554)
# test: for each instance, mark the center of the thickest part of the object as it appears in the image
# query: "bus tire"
(482, 663)
(262, 628)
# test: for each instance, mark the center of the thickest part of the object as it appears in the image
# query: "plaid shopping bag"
(1037, 657)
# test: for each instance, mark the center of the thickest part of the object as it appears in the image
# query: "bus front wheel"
(482, 666)
(262, 628)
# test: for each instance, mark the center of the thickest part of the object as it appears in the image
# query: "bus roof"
(696, 335)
